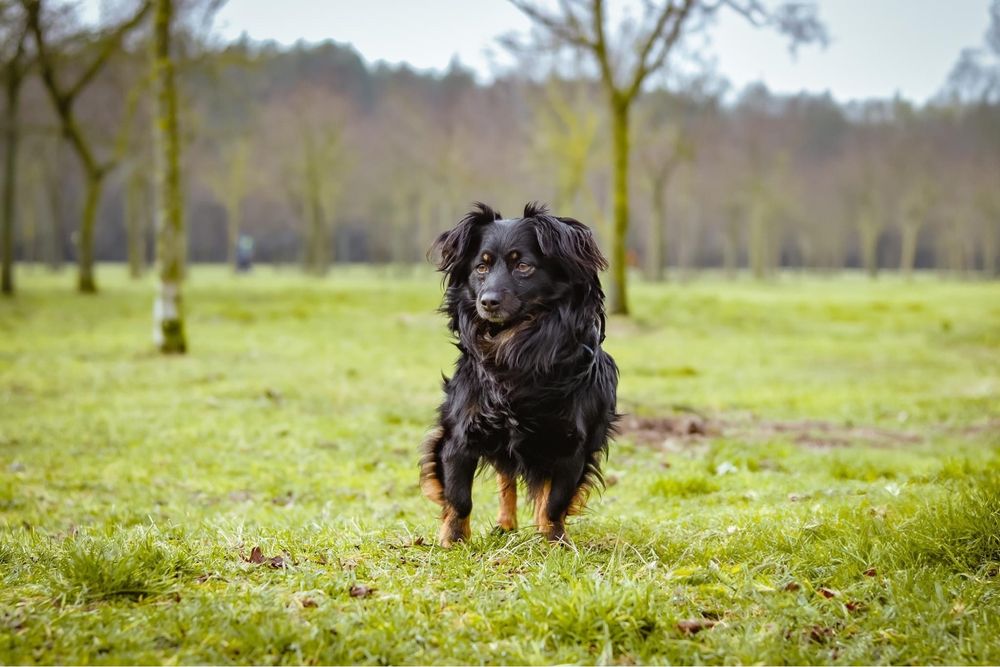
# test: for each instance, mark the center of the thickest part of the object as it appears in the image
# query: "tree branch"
(109, 44)
(601, 47)
(569, 32)
(679, 14)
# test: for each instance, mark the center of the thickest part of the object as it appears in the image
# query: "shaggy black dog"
(533, 393)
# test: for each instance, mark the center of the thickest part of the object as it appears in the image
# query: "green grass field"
(256, 501)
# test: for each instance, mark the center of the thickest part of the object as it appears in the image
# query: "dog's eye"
(482, 268)
(523, 267)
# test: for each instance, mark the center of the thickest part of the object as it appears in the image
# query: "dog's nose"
(490, 301)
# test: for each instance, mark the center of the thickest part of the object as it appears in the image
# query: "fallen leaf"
(694, 626)
(417, 541)
(277, 562)
(828, 592)
(871, 572)
(820, 634)
(308, 603)
(256, 556)
(792, 586)
(361, 591)
(854, 605)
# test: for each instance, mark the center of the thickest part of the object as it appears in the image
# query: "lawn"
(809, 473)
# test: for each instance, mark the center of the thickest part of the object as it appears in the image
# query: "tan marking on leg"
(453, 529)
(507, 517)
(430, 483)
(541, 500)
(554, 531)
(579, 502)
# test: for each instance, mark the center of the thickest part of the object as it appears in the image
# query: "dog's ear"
(452, 247)
(568, 241)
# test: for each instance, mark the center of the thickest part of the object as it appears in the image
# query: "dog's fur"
(533, 394)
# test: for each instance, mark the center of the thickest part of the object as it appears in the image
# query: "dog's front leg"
(458, 471)
(555, 498)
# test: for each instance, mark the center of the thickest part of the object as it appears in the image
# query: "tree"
(976, 75)
(668, 145)
(64, 96)
(137, 207)
(168, 318)
(644, 48)
(914, 207)
(318, 155)
(14, 35)
(568, 135)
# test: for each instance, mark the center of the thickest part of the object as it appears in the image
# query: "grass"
(256, 501)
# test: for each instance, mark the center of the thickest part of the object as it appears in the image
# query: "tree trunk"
(86, 282)
(989, 247)
(11, 136)
(730, 249)
(654, 259)
(758, 241)
(168, 314)
(135, 223)
(317, 240)
(869, 245)
(233, 228)
(55, 251)
(908, 251)
(618, 297)
(28, 217)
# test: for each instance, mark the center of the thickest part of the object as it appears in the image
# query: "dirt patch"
(691, 428)
(655, 430)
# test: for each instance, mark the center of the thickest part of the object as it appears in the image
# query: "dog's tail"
(430, 481)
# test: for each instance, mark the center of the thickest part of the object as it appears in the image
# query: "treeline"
(321, 158)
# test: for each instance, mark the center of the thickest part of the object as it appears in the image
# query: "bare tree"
(313, 165)
(64, 96)
(914, 208)
(976, 75)
(668, 145)
(568, 135)
(643, 47)
(13, 42)
(226, 177)
(168, 313)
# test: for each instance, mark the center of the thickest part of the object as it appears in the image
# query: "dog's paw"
(501, 529)
(454, 530)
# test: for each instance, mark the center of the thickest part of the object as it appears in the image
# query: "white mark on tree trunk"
(165, 309)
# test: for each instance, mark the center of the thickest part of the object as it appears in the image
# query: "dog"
(533, 394)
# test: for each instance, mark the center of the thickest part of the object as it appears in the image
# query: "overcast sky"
(878, 47)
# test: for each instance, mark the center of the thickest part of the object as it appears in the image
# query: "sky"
(878, 48)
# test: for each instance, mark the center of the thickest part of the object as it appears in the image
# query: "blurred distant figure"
(244, 254)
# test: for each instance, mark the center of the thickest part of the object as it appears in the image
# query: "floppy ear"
(452, 247)
(569, 242)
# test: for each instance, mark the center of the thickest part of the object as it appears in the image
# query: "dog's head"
(510, 269)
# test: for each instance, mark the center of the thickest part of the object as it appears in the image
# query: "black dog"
(533, 393)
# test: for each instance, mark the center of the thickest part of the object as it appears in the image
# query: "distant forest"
(322, 158)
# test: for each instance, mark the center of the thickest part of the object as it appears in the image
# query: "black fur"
(533, 394)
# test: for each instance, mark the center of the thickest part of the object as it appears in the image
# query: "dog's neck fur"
(518, 348)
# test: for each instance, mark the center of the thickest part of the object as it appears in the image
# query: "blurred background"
(817, 136)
